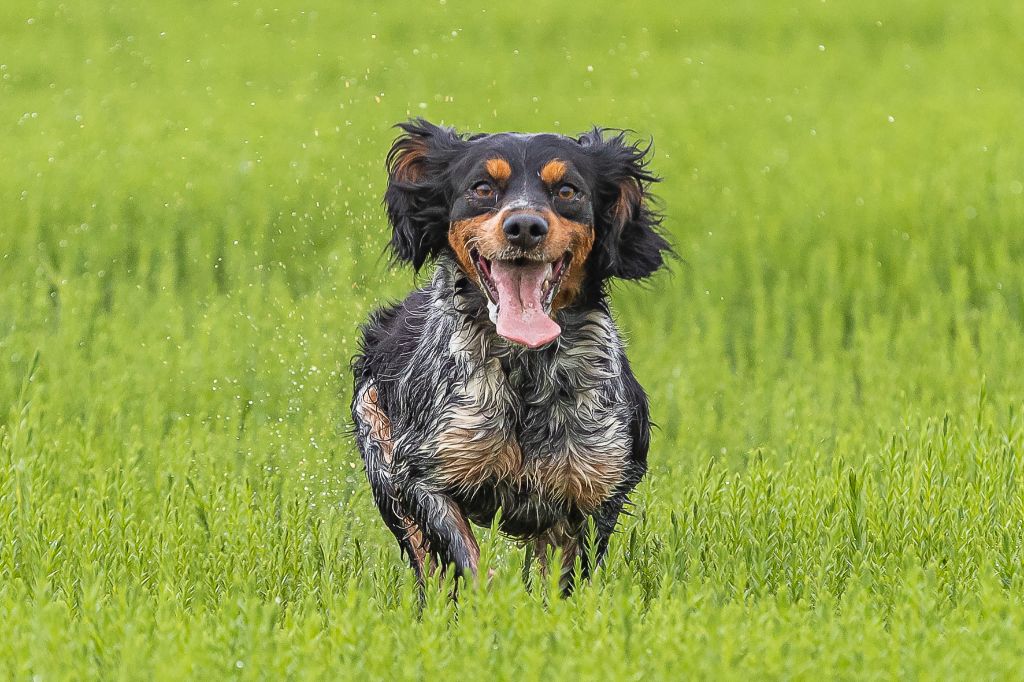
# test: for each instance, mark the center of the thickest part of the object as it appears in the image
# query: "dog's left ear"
(418, 197)
(628, 243)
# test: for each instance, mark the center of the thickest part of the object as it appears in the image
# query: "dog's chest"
(558, 433)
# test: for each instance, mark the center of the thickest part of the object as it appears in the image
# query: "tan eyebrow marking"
(498, 169)
(553, 171)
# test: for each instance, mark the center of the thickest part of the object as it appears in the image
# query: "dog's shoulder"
(390, 335)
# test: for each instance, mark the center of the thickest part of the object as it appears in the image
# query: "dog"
(503, 384)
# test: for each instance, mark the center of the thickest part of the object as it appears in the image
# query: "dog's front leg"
(445, 529)
(576, 542)
(565, 537)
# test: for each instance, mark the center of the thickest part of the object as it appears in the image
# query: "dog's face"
(533, 220)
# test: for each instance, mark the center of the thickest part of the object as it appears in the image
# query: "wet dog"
(503, 383)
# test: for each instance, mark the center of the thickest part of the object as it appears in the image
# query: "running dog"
(503, 384)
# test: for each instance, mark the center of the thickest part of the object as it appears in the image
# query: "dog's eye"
(483, 190)
(566, 192)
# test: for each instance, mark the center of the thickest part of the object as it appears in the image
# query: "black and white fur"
(455, 422)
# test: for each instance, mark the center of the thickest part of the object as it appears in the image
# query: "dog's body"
(503, 383)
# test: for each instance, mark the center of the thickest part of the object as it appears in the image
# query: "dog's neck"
(586, 354)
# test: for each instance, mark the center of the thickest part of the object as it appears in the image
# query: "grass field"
(191, 232)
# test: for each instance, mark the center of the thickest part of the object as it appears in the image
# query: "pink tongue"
(521, 316)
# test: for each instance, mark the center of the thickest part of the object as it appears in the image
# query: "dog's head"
(535, 221)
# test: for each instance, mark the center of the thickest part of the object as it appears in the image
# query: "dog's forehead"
(525, 151)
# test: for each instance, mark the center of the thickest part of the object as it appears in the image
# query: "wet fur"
(454, 422)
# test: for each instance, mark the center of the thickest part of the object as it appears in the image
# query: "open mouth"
(519, 294)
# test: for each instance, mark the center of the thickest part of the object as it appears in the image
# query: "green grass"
(191, 232)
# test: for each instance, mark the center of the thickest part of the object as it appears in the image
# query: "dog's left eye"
(483, 190)
(566, 192)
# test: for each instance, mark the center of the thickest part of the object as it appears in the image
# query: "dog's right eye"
(483, 190)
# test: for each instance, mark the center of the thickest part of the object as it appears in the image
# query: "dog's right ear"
(418, 196)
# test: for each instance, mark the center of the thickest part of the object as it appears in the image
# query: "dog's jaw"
(519, 295)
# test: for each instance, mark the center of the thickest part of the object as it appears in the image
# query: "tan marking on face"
(485, 234)
(482, 233)
(498, 169)
(576, 238)
(553, 171)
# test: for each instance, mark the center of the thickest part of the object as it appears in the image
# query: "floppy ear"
(418, 197)
(628, 243)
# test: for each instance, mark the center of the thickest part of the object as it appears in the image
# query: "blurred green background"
(191, 233)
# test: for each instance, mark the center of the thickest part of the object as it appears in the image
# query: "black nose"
(525, 230)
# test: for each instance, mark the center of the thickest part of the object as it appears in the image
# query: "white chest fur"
(559, 428)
